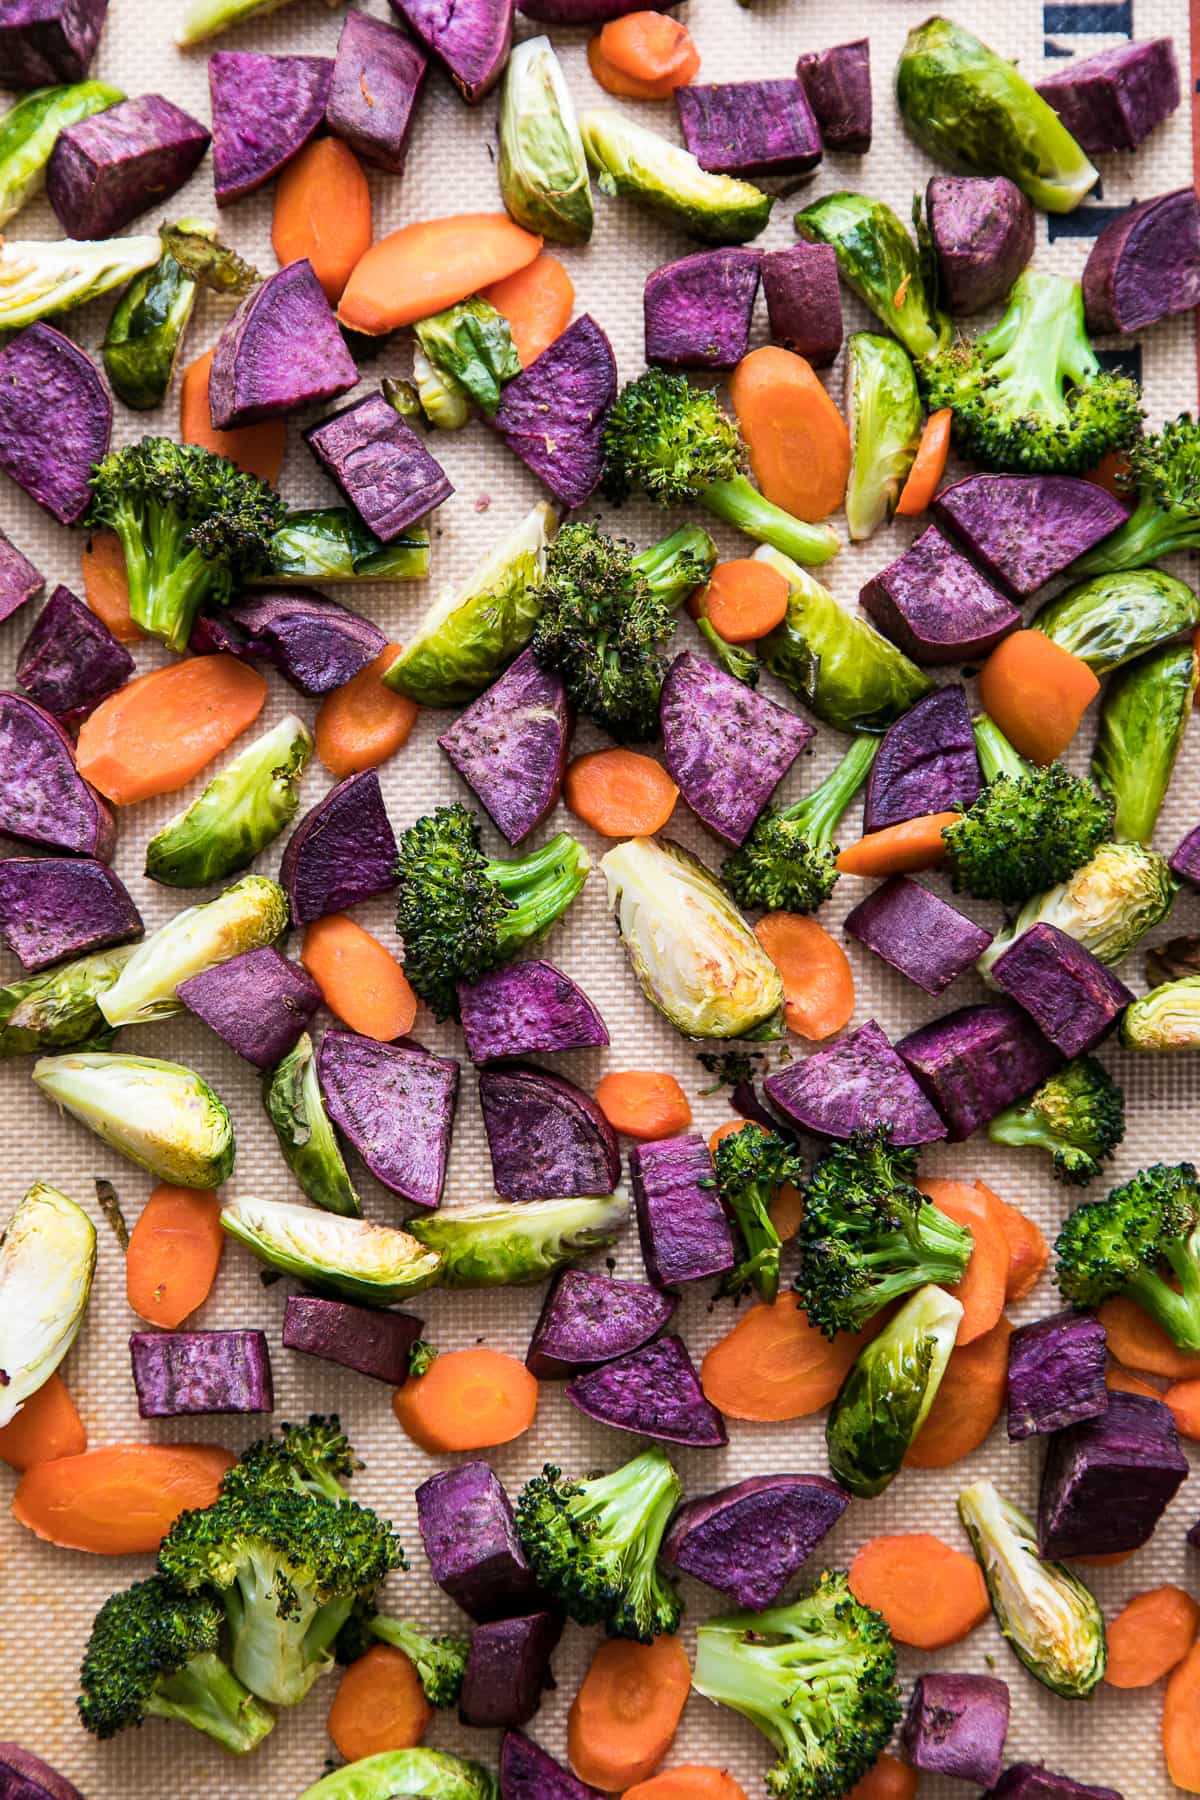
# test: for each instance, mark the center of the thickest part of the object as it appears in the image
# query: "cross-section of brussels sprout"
(883, 411)
(61, 1007)
(47, 1259)
(1167, 1018)
(146, 331)
(543, 169)
(159, 1114)
(240, 812)
(251, 913)
(330, 543)
(407, 1775)
(355, 1259)
(40, 280)
(501, 1245)
(1108, 905)
(296, 1108)
(886, 1397)
(665, 179)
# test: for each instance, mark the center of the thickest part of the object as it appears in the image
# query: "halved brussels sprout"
(1167, 1018)
(1113, 618)
(407, 1775)
(666, 179)
(47, 1260)
(470, 345)
(30, 130)
(296, 1108)
(39, 280)
(251, 913)
(146, 331)
(879, 262)
(543, 169)
(495, 1244)
(205, 18)
(160, 1115)
(442, 400)
(883, 411)
(330, 543)
(240, 812)
(60, 1007)
(886, 1397)
(356, 1259)
(1108, 905)
(1143, 716)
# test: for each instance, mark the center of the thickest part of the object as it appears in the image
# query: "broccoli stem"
(209, 1697)
(736, 659)
(1177, 1313)
(678, 564)
(279, 1654)
(1021, 1126)
(739, 504)
(1149, 533)
(167, 583)
(996, 754)
(820, 813)
(539, 888)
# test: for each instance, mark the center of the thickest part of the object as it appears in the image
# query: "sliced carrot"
(537, 302)
(774, 1365)
(360, 980)
(120, 1500)
(1107, 1559)
(158, 731)
(890, 1779)
(362, 723)
(106, 588)
(651, 46)
(429, 265)
(620, 793)
(1123, 1381)
(1036, 692)
(797, 439)
(1181, 1723)
(47, 1427)
(967, 1405)
(323, 212)
(380, 1704)
(1139, 1342)
(259, 449)
(468, 1400)
(982, 1288)
(1028, 1251)
(174, 1254)
(690, 1781)
(929, 1593)
(1183, 1398)
(615, 81)
(899, 849)
(1150, 1636)
(929, 465)
(818, 982)
(644, 1103)
(745, 600)
(624, 1718)
(1112, 474)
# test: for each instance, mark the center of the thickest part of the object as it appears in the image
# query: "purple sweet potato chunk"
(264, 110)
(1030, 1781)
(727, 746)
(281, 350)
(44, 800)
(316, 643)
(508, 1669)
(1113, 100)
(215, 633)
(470, 38)
(681, 1222)
(105, 170)
(654, 1392)
(356, 1337)
(1070, 995)
(1056, 1374)
(52, 907)
(698, 309)
(395, 1103)
(838, 84)
(43, 42)
(1185, 860)
(749, 127)
(470, 1537)
(1145, 265)
(527, 1772)
(71, 660)
(1025, 529)
(380, 464)
(854, 1085)
(747, 1541)
(342, 852)
(259, 1003)
(982, 231)
(1107, 1481)
(20, 582)
(510, 746)
(24, 1776)
(804, 300)
(525, 1008)
(551, 415)
(974, 1062)
(546, 1137)
(917, 933)
(378, 77)
(177, 1373)
(55, 420)
(936, 605)
(589, 1319)
(927, 762)
(956, 1725)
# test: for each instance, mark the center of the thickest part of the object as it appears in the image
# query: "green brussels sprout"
(207, 261)
(879, 262)
(240, 812)
(60, 1007)
(443, 401)
(356, 1259)
(404, 398)
(205, 18)
(469, 635)
(331, 543)
(296, 1108)
(160, 1115)
(1108, 905)
(146, 331)
(470, 347)
(495, 1244)
(47, 1260)
(693, 953)
(1143, 717)
(1109, 621)
(251, 913)
(543, 169)
(1047, 1614)
(886, 1397)
(666, 179)
(1167, 1018)
(39, 280)
(407, 1775)
(883, 411)
(30, 130)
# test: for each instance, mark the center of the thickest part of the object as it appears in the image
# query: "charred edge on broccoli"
(1145, 1235)
(751, 1166)
(1077, 1116)
(789, 861)
(440, 1662)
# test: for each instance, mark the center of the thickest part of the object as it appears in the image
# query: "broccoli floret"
(421, 1357)
(154, 1653)
(751, 1167)
(594, 1544)
(193, 527)
(869, 1235)
(1164, 475)
(440, 1662)
(789, 861)
(315, 1458)
(1145, 1233)
(1030, 394)
(818, 1679)
(1077, 1115)
(462, 913)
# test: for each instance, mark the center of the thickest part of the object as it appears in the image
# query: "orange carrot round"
(797, 439)
(323, 212)
(745, 600)
(468, 1400)
(47, 1427)
(379, 1705)
(1036, 692)
(362, 723)
(773, 1365)
(644, 1103)
(624, 1718)
(1107, 1559)
(929, 465)
(818, 982)
(1123, 1381)
(432, 264)
(690, 1781)
(982, 1289)
(620, 793)
(120, 1500)
(360, 980)
(899, 849)
(967, 1405)
(1028, 1251)
(1112, 474)
(259, 449)
(890, 1779)
(930, 1594)
(1150, 1636)
(537, 302)
(158, 731)
(174, 1254)
(1181, 1723)
(106, 587)
(1183, 1398)
(643, 56)
(1139, 1342)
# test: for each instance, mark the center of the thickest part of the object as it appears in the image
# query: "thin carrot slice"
(929, 465)
(1123, 1381)
(429, 265)
(624, 1718)
(899, 849)
(798, 442)
(1112, 474)
(468, 1400)
(1036, 692)
(1107, 1559)
(259, 449)
(153, 735)
(362, 723)
(1028, 1251)
(620, 793)
(380, 1705)
(967, 1405)
(1140, 1342)
(690, 1781)
(929, 1593)
(615, 81)
(651, 47)
(323, 212)
(890, 1779)
(360, 980)
(120, 1500)
(1150, 1636)
(1181, 1723)
(537, 302)
(982, 1288)
(744, 600)
(47, 1427)
(106, 588)
(1183, 1398)
(174, 1254)
(774, 1365)
(818, 982)
(644, 1103)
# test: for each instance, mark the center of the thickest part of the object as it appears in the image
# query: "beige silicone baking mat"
(48, 1596)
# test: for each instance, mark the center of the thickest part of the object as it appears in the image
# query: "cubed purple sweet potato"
(1185, 859)
(974, 1062)
(316, 643)
(20, 582)
(698, 309)
(105, 170)
(258, 1003)
(1023, 530)
(470, 1537)
(589, 1319)
(982, 231)
(178, 1373)
(510, 746)
(52, 907)
(527, 1008)
(342, 852)
(470, 39)
(44, 800)
(355, 1337)
(380, 464)
(527, 1772)
(1114, 100)
(654, 1392)
(378, 78)
(281, 350)
(1030, 1781)
(44, 42)
(917, 933)
(1145, 265)
(547, 1138)
(55, 420)
(727, 746)
(1107, 1481)
(264, 110)
(681, 1222)
(838, 84)
(956, 1725)
(551, 415)
(71, 660)
(749, 127)
(1056, 1374)
(936, 605)
(854, 1085)
(24, 1776)
(395, 1103)
(927, 762)
(747, 1541)
(804, 300)
(508, 1669)
(1072, 998)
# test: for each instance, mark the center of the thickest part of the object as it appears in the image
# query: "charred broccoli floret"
(1164, 476)
(440, 1662)
(1146, 1233)
(752, 1165)
(1077, 1115)
(789, 861)
(314, 1458)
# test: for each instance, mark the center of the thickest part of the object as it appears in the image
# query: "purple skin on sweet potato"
(804, 301)
(361, 1338)
(527, 1772)
(927, 763)
(342, 852)
(917, 933)
(1145, 265)
(24, 1776)
(956, 1725)
(395, 1103)
(546, 1137)
(748, 1541)
(1023, 530)
(316, 643)
(1030, 1781)
(471, 39)
(52, 907)
(470, 1537)
(854, 1085)
(20, 582)
(264, 110)
(380, 464)
(727, 746)
(551, 415)
(105, 170)
(655, 1392)
(44, 42)
(698, 309)
(55, 420)
(983, 232)
(1114, 100)
(179, 1373)
(525, 1008)
(44, 801)
(510, 746)
(258, 1003)
(749, 127)
(1185, 861)
(974, 1062)
(1056, 1374)
(1072, 998)
(378, 77)
(682, 1225)
(936, 605)
(589, 1319)
(71, 660)
(214, 634)
(281, 350)
(838, 85)
(508, 1670)
(1107, 1481)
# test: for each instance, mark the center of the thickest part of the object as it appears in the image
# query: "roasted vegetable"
(883, 411)
(60, 1009)
(253, 911)
(1108, 1479)
(1113, 618)
(886, 1397)
(1167, 1018)
(29, 132)
(859, 1083)
(331, 543)
(627, 158)
(295, 1107)
(517, 1245)
(1164, 473)
(789, 861)
(682, 1225)
(47, 1260)
(207, 261)
(1140, 1241)
(1077, 1116)
(39, 280)
(982, 235)
(470, 347)
(146, 331)
(1056, 1374)
(206, 18)
(240, 812)
(159, 1114)
(1145, 264)
(878, 261)
(433, 1773)
(956, 1726)
(1143, 716)
(1108, 904)
(751, 1167)
(440, 1662)
(542, 168)
(916, 932)
(353, 1259)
